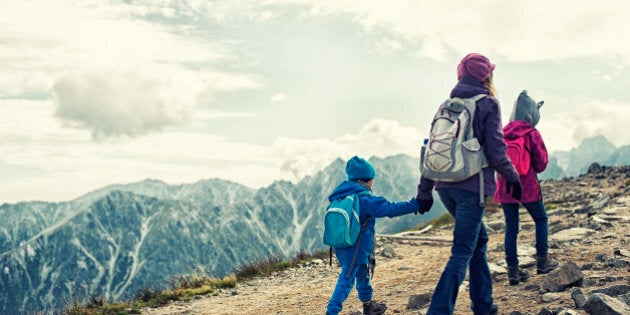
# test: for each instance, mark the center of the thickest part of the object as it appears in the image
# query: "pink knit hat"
(475, 65)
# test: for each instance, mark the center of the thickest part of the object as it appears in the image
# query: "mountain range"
(117, 240)
(576, 161)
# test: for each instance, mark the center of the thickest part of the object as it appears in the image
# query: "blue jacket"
(487, 127)
(376, 207)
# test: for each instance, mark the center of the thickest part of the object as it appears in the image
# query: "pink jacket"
(540, 158)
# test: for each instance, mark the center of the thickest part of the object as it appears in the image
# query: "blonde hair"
(489, 84)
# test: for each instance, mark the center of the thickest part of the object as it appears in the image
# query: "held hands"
(425, 199)
(514, 189)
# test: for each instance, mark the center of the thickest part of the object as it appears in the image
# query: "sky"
(94, 93)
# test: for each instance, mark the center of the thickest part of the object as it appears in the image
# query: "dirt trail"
(417, 265)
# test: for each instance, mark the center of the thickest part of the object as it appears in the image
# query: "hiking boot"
(371, 307)
(494, 310)
(545, 265)
(516, 275)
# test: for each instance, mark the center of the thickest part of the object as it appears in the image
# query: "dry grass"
(186, 287)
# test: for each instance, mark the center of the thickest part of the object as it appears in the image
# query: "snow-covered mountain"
(122, 238)
(576, 161)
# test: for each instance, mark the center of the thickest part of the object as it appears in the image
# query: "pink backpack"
(519, 154)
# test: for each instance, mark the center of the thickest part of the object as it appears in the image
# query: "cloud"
(526, 31)
(215, 115)
(387, 46)
(278, 97)
(379, 137)
(565, 123)
(303, 157)
(39, 39)
(146, 98)
(112, 103)
(54, 163)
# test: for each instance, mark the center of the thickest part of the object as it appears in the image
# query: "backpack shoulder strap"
(478, 97)
(364, 193)
(527, 140)
(357, 201)
(472, 106)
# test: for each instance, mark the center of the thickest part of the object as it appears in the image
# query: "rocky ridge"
(589, 227)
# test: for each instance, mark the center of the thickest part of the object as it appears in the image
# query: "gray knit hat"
(525, 108)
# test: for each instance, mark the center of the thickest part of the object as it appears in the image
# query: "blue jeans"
(344, 286)
(468, 251)
(539, 215)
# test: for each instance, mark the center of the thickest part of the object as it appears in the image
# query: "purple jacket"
(488, 129)
(529, 182)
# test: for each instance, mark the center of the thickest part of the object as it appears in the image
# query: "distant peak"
(598, 140)
(153, 181)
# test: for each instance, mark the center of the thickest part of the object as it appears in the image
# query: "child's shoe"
(372, 307)
(516, 275)
(545, 265)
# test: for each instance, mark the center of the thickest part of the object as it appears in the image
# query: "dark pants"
(539, 215)
(468, 251)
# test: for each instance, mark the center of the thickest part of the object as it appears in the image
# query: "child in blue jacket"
(360, 178)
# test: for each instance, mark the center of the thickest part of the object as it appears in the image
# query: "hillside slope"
(589, 223)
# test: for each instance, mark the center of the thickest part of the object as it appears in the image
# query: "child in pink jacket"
(522, 124)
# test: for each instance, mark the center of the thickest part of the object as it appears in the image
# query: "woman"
(462, 200)
(522, 125)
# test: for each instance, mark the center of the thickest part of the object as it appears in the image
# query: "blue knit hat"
(358, 168)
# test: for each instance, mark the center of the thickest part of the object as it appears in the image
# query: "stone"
(526, 250)
(571, 234)
(388, 252)
(600, 202)
(602, 304)
(526, 261)
(624, 298)
(611, 211)
(549, 297)
(622, 252)
(578, 297)
(599, 220)
(595, 168)
(613, 290)
(620, 263)
(602, 257)
(621, 218)
(565, 276)
(496, 269)
(496, 225)
(418, 301)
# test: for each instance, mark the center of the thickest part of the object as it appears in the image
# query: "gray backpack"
(452, 153)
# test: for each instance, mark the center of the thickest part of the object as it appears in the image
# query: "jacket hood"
(344, 189)
(468, 87)
(525, 108)
(516, 129)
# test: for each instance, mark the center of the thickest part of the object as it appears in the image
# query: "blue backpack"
(341, 221)
(342, 227)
